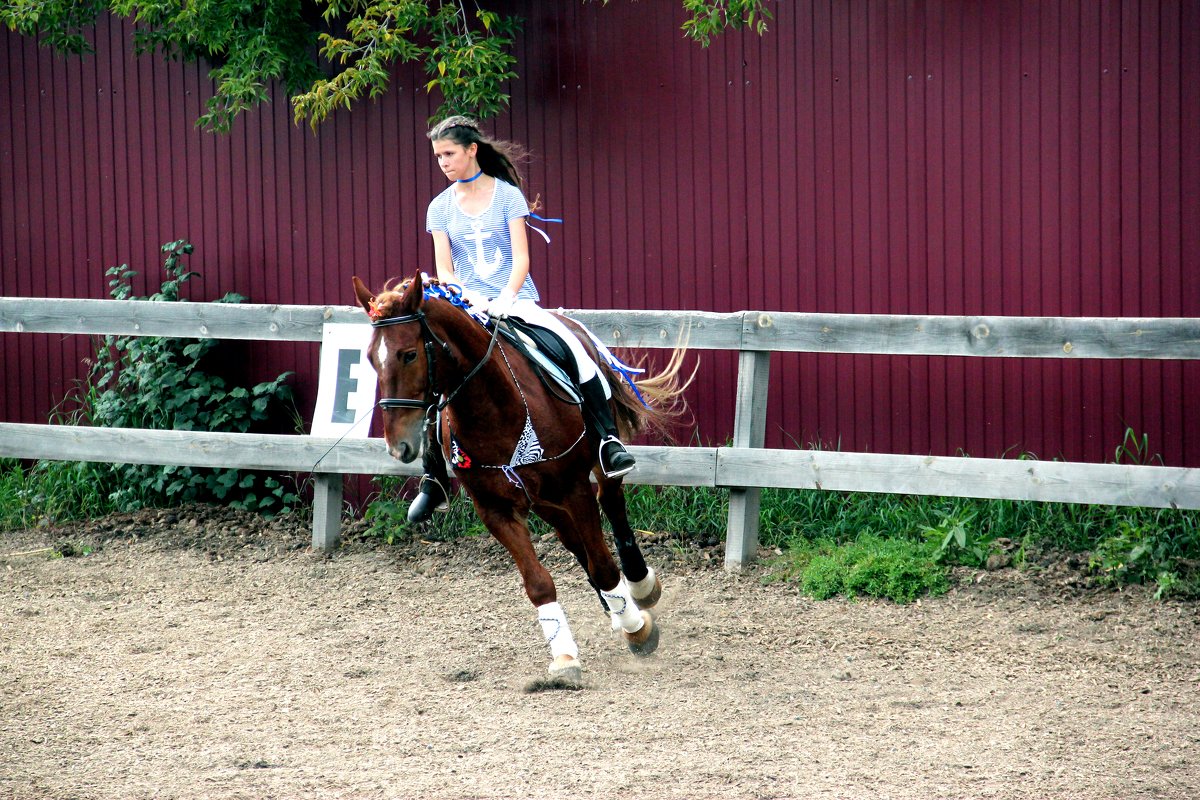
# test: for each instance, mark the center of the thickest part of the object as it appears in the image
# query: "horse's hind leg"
(540, 589)
(643, 583)
(578, 526)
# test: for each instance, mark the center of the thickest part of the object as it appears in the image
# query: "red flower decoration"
(458, 456)
(374, 312)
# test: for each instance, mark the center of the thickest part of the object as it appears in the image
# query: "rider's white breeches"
(534, 314)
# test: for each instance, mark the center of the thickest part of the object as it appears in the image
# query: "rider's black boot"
(615, 460)
(433, 495)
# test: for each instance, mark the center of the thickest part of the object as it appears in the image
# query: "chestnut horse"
(517, 447)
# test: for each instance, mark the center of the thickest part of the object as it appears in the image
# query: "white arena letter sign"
(346, 387)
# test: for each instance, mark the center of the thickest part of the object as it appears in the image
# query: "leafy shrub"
(1156, 546)
(958, 542)
(166, 384)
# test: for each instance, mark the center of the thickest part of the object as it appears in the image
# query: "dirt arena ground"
(203, 654)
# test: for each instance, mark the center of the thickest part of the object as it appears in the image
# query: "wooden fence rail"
(745, 468)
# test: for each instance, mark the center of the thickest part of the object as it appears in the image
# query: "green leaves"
(165, 383)
(711, 17)
(467, 54)
(467, 57)
(958, 541)
(59, 23)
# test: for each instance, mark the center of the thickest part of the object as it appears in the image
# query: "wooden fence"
(744, 468)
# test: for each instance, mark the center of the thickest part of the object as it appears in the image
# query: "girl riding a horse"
(480, 243)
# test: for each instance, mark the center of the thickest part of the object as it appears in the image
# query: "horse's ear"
(414, 294)
(363, 294)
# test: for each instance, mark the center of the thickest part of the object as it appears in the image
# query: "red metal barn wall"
(1015, 158)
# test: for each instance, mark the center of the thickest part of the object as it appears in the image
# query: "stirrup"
(432, 497)
(619, 463)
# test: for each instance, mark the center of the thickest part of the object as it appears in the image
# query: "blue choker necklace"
(468, 180)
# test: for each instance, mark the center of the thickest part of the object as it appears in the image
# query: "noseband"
(432, 345)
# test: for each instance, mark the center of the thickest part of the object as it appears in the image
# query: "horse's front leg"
(512, 532)
(643, 583)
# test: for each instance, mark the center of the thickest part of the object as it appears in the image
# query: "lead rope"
(366, 419)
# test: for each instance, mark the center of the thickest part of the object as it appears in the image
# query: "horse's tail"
(662, 392)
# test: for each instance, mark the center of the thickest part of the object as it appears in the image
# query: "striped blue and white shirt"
(481, 246)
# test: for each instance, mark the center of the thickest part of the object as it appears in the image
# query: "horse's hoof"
(566, 669)
(643, 641)
(651, 599)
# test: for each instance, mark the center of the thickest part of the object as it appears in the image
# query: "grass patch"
(48, 492)
(893, 543)
(892, 569)
(386, 514)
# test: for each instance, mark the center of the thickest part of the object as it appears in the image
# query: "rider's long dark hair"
(496, 158)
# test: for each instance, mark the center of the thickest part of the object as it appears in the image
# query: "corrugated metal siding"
(1027, 158)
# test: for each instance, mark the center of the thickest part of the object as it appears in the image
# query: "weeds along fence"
(745, 468)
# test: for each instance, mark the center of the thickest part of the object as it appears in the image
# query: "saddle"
(549, 355)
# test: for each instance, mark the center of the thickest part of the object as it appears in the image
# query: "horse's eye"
(409, 357)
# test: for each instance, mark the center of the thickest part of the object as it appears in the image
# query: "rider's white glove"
(499, 308)
(479, 304)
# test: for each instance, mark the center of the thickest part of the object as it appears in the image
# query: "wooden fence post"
(749, 430)
(327, 511)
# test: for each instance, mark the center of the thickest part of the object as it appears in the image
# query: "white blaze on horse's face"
(381, 354)
(402, 427)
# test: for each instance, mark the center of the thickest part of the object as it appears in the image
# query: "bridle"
(433, 343)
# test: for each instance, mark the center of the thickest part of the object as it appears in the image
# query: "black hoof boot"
(615, 460)
(432, 497)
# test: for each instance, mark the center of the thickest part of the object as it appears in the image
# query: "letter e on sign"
(346, 389)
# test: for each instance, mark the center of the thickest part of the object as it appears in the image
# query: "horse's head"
(401, 358)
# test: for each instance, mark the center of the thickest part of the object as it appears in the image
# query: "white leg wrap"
(623, 607)
(556, 630)
(643, 587)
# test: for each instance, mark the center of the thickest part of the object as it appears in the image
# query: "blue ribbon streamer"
(541, 232)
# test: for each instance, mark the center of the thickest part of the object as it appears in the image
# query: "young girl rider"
(479, 243)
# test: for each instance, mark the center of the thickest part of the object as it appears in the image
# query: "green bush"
(1155, 546)
(159, 383)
